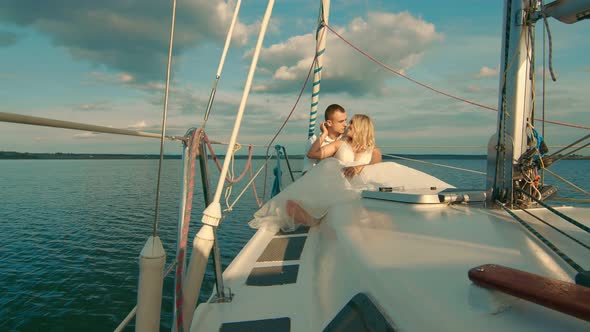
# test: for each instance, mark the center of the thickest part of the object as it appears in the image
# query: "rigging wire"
(287, 120)
(548, 243)
(435, 164)
(571, 152)
(221, 63)
(437, 90)
(557, 229)
(582, 191)
(164, 115)
(404, 76)
(565, 124)
(544, 83)
(250, 183)
(570, 145)
(563, 216)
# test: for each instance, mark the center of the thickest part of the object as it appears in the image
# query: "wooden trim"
(562, 296)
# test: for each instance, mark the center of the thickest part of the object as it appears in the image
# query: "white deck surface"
(413, 261)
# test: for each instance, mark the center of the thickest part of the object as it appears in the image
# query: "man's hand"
(351, 171)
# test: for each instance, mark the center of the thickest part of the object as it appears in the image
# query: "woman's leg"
(299, 215)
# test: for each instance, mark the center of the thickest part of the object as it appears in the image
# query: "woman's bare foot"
(299, 215)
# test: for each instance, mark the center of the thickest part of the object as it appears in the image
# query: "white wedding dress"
(325, 186)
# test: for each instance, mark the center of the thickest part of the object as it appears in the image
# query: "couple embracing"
(344, 150)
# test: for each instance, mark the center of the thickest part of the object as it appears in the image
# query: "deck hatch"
(428, 195)
(360, 314)
(283, 249)
(273, 275)
(275, 324)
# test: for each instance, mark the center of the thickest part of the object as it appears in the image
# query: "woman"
(308, 199)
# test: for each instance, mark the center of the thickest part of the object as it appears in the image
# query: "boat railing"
(153, 257)
(188, 284)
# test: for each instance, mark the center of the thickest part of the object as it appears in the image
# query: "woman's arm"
(376, 157)
(351, 171)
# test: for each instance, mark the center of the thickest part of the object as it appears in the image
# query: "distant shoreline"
(12, 155)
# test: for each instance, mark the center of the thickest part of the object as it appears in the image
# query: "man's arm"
(316, 146)
(317, 151)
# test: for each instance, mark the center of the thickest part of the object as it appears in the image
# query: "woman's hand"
(323, 129)
(351, 171)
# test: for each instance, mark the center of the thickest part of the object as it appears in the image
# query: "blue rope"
(539, 140)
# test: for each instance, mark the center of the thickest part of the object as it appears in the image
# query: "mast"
(514, 102)
(321, 36)
(514, 154)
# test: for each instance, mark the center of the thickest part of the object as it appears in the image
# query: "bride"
(330, 182)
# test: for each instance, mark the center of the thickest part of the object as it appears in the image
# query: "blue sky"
(104, 62)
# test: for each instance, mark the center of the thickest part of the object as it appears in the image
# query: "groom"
(335, 125)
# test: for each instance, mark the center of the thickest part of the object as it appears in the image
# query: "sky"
(104, 63)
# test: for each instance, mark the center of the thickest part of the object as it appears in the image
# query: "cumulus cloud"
(85, 135)
(299, 117)
(101, 105)
(127, 38)
(138, 125)
(473, 88)
(396, 39)
(103, 77)
(7, 38)
(488, 72)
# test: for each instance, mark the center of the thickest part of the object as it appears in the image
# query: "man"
(335, 124)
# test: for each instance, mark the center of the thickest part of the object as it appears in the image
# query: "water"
(72, 231)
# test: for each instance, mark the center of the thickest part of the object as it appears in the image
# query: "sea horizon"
(14, 155)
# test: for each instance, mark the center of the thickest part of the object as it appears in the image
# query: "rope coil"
(230, 179)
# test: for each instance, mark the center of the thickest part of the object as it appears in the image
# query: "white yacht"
(420, 255)
(427, 256)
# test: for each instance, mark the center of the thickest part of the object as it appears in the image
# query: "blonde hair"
(363, 136)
